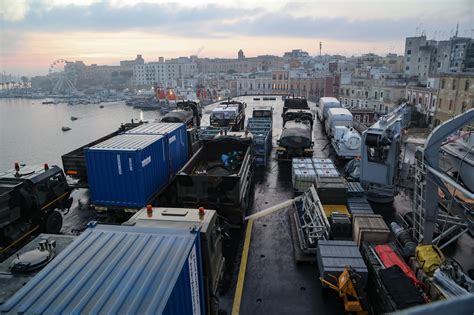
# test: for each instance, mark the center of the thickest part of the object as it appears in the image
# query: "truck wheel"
(53, 222)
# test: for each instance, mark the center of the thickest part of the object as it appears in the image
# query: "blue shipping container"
(127, 170)
(177, 141)
(119, 270)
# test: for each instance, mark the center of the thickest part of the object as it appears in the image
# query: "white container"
(303, 179)
(327, 173)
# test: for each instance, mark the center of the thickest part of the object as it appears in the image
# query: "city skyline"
(34, 33)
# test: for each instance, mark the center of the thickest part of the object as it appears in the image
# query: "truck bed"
(205, 181)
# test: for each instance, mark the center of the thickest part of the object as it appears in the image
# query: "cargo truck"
(219, 176)
(187, 112)
(29, 199)
(230, 114)
(324, 104)
(337, 117)
(297, 134)
(207, 222)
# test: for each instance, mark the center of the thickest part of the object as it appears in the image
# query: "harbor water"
(30, 132)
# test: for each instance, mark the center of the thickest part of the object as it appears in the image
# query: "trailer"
(219, 176)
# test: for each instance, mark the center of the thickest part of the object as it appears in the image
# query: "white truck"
(337, 117)
(325, 103)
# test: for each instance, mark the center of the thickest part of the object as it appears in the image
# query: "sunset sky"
(34, 33)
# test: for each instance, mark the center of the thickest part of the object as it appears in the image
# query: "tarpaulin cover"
(402, 290)
(390, 258)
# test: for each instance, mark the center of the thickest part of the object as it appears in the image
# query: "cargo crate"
(370, 228)
(127, 170)
(176, 136)
(333, 256)
(359, 205)
(331, 190)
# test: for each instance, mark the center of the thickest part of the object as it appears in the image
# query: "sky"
(34, 33)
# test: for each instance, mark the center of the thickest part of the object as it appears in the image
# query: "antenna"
(457, 30)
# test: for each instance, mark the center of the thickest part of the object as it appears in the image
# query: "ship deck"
(270, 280)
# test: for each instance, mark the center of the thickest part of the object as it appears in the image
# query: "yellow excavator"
(346, 289)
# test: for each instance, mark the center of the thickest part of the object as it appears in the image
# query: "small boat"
(64, 128)
(101, 106)
(73, 118)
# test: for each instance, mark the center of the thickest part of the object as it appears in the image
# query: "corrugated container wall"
(176, 137)
(119, 270)
(126, 170)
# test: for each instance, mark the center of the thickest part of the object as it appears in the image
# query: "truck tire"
(53, 222)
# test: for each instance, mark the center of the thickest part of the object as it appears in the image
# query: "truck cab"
(29, 197)
(206, 221)
(230, 114)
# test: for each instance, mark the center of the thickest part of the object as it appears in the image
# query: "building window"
(366, 94)
(466, 85)
(463, 107)
(376, 94)
(450, 104)
(454, 84)
(381, 94)
(442, 84)
(409, 50)
(352, 92)
(352, 103)
(408, 59)
(407, 68)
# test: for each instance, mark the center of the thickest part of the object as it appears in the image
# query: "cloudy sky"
(33, 33)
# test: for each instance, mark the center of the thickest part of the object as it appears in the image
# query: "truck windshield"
(218, 115)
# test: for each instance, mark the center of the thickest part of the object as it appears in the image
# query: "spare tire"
(53, 222)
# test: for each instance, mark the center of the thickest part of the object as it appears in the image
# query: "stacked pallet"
(303, 174)
(261, 129)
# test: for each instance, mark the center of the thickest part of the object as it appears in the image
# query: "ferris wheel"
(64, 74)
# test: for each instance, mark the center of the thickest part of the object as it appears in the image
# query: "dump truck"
(207, 222)
(219, 176)
(229, 114)
(29, 199)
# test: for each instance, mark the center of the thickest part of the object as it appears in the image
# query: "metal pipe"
(450, 181)
(454, 238)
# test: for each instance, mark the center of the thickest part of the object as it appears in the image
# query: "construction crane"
(380, 155)
(431, 179)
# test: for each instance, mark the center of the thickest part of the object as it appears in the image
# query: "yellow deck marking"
(243, 267)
